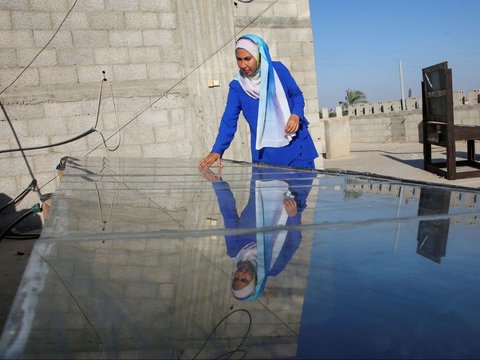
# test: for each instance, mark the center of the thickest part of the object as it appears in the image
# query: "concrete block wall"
(458, 97)
(370, 128)
(377, 107)
(402, 126)
(385, 121)
(158, 57)
(467, 114)
(474, 96)
(337, 137)
(412, 103)
(57, 97)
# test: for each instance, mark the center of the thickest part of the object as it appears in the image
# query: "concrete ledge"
(337, 138)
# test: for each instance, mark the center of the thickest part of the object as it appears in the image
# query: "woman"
(277, 199)
(272, 103)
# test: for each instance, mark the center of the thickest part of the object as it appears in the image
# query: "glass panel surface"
(152, 258)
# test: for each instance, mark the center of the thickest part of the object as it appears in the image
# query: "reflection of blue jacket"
(301, 147)
(299, 186)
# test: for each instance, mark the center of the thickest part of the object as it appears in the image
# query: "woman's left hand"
(293, 124)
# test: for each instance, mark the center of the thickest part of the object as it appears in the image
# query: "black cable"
(88, 132)
(98, 116)
(105, 142)
(35, 209)
(26, 236)
(116, 121)
(24, 193)
(20, 148)
(20, 196)
(99, 99)
(41, 50)
(15, 80)
(237, 349)
(14, 201)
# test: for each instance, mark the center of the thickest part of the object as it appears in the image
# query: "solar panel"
(154, 258)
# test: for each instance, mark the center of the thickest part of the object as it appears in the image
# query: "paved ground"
(13, 258)
(403, 161)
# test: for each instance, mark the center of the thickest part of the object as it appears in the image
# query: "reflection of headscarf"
(247, 254)
(273, 109)
(270, 212)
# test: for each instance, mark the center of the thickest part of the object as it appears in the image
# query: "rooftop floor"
(398, 160)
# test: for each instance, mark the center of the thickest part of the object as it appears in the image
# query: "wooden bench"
(439, 128)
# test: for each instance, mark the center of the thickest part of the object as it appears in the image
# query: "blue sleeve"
(228, 209)
(292, 91)
(300, 187)
(228, 124)
(227, 204)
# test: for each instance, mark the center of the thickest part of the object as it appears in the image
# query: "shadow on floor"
(419, 163)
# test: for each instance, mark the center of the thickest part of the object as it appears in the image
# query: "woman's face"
(242, 277)
(246, 62)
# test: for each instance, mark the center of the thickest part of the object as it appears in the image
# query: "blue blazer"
(301, 147)
(299, 185)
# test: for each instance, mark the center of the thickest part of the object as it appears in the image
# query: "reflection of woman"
(273, 105)
(273, 202)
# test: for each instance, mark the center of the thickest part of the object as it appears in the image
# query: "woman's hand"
(209, 160)
(290, 206)
(210, 175)
(293, 124)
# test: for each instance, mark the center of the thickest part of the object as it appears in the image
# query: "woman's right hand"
(290, 206)
(209, 160)
(210, 175)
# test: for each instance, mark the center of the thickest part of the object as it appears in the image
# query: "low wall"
(411, 103)
(402, 127)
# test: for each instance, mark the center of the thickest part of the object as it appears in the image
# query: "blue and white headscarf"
(273, 109)
(262, 254)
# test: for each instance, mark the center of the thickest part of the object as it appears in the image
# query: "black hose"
(88, 132)
(35, 208)
(21, 196)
